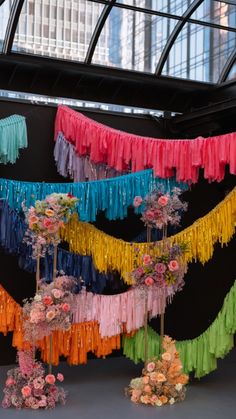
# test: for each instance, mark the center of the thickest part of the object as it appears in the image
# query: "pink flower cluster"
(165, 270)
(163, 381)
(45, 220)
(33, 389)
(49, 310)
(161, 209)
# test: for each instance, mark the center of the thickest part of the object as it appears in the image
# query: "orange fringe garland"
(73, 344)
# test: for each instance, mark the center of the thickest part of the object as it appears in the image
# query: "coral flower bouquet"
(49, 310)
(45, 220)
(28, 386)
(162, 381)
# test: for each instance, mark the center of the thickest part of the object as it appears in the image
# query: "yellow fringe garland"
(73, 344)
(109, 253)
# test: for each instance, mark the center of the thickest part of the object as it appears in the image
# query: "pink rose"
(160, 268)
(150, 366)
(149, 214)
(162, 201)
(173, 265)
(47, 222)
(50, 315)
(38, 383)
(145, 379)
(57, 293)
(137, 201)
(147, 259)
(47, 300)
(26, 391)
(60, 377)
(149, 281)
(50, 379)
(42, 403)
(10, 382)
(36, 316)
(154, 399)
(65, 307)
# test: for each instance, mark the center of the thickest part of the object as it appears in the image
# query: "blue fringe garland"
(113, 195)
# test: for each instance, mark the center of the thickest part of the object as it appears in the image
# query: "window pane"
(175, 7)
(57, 28)
(232, 73)
(216, 12)
(4, 16)
(132, 40)
(199, 53)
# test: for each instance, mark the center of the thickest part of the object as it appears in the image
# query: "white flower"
(37, 297)
(158, 403)
(172, 400)
(179, 386)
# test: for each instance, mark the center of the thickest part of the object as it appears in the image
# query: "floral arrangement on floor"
(27, 386)
(45, 220)
(50, 309)
(161, 209)
(163, 381)
(166, 270)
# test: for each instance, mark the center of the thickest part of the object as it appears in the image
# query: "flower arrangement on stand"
(50, 309)
(46, 219)
(163, 381)
(27, 386)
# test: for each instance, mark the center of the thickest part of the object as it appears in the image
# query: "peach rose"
(162, 201)
(33, 219)
(26, 391)
(183, 379)
(50, 379)
(145, 379)
(145, 399)
(166, 356)
(57, 293)
(150, 366)
(153, 376)
(50, 315)
(161, 378)
(147, 388)
(146, 259)
(173, 265)
(149, 281)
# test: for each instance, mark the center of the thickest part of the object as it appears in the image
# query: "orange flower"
(183, 379)
(49, 212)
(145, 379)
(163, 399)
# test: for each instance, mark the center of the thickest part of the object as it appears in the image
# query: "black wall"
(206, 286)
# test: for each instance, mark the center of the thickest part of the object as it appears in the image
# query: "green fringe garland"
(199, 354)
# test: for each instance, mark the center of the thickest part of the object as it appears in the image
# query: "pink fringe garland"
(116, 313)
(119, 149)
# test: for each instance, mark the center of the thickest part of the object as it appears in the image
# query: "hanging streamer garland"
(109, 253)
(120, 312)
(12, 230)
(199, 354)
(80, 169)
(13, 136)
(113, 196)
(74, 344)
(119, 149)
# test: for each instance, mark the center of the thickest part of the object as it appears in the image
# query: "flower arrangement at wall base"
(28, 386)
(162, 381)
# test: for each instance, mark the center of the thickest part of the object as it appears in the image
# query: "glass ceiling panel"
(199, 53)
(132, 40)
(216, 12)
(232, 73)
(175, 7)
(4, 16)
(57, 28)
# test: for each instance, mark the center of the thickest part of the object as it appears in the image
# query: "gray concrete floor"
(96, 391)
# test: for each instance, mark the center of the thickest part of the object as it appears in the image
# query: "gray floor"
(96, 391)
